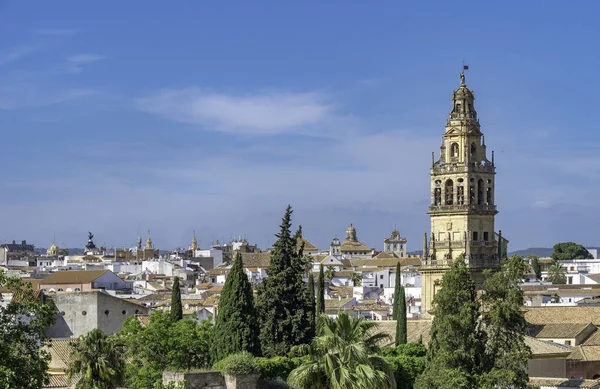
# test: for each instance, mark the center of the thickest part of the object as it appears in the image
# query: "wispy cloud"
(261, 113)
(56, 31)
(15, 54)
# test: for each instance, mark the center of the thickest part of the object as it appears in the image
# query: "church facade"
(462, 205)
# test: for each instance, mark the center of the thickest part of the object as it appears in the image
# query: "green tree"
(408, 361)
(163, 344)
(98, 360)
(236, 329)
(176, 307)
(535, 266)
(399, 310)
(329, 273)
(24, 321)
(455, 342)
(570, 250)
(344, 356)
(557, 274)
(356, 279)
(313, 303)
(283, 302)
(504, 362)
(321, 291)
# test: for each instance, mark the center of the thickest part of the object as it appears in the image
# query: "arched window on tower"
(473, 149)
(449, 192)
(489, 195)
(480, 192)
(460, 195)
(454, 150)
(437, 196)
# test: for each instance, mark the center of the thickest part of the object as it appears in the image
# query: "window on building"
(480, 192)
(569, 280)
(567, 342)
(471, 194)
(489, 196)
(460, 194)
(437, 196)
(60, 289)
(475, 237)
(473, 149)
(449, 192)
(485, 236)
(454, 150)
(381, 276)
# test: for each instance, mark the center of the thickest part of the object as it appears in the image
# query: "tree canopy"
(98, 360)
(23, 324)
(570, 250)
(283, 302)
(557, 274)
(163, 344)
(344, 355)
(236, 328)
(478, 342)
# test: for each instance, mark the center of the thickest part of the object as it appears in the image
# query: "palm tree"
(329, 273)
(557, 273)
(99, 361)
(356, 279)
(344, 356)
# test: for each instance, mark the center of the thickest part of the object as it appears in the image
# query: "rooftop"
(73, 276)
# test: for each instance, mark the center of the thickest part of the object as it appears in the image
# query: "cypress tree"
(176, 308)
(283, 303)
(399, 312)
(311, 293)
(321, 292)
(236, 329)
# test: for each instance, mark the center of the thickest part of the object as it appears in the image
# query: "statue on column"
(462, 78)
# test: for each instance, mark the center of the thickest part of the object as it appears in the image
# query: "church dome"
(351, 234)
(53, 250)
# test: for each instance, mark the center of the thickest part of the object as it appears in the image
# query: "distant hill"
(541, 251)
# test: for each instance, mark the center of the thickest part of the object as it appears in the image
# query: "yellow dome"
(53, 250)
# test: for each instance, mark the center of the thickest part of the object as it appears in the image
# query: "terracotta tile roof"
(154, 297)
(586, 353)
(58, 381)
(594, 277)
(545, 315)
(564, 383)
(143, 319)
(390, 262)
(60, 351)
(593, 340)
(558, 330)
(211, 301)
(544, 348)
(307, 245)
(256, 259)
(72, 277)
(352, 246)
(337, 303)
(415, 330)
(343, 291)
(386, 255)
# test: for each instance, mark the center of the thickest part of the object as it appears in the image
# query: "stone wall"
(197, 380)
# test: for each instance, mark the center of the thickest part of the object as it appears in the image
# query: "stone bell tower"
(462, 207)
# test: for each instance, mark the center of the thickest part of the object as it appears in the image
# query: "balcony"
(455, 167)
(463, 208)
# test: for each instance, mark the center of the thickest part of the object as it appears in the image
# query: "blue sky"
(119, 117)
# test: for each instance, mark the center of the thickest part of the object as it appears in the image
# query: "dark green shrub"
(277, 367)
(240, 363)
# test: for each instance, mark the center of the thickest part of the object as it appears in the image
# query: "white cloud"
(266, 113)
(15, 54)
